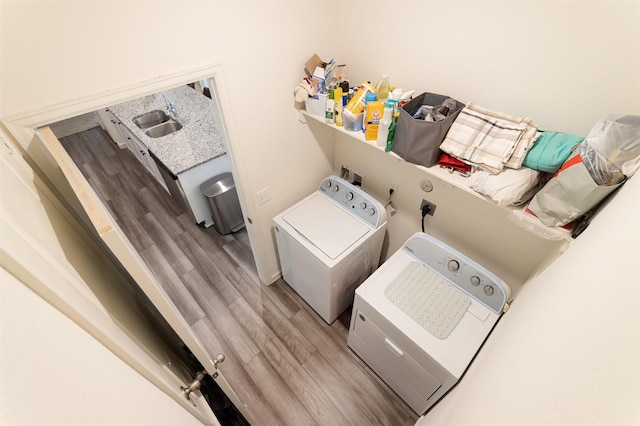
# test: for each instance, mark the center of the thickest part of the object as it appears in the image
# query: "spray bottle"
(394, 100)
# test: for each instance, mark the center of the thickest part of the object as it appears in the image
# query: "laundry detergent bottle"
(357, 102)
(383, 127)
(369, 98)
(383, 87)
(374, 116)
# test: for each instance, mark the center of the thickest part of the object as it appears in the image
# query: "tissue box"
(315, 105)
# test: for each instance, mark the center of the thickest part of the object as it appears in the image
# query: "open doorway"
(135, 197)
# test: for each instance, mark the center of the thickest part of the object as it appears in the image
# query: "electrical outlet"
(432, 206)
(357, 179)
(344, 172)
(264, 195)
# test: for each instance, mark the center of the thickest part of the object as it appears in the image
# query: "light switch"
(264, 195)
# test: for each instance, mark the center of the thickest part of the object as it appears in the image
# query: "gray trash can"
(221, 195)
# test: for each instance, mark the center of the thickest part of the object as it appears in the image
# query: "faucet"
(171, 108)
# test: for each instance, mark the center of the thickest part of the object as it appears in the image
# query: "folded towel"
(489, 139)
(510, 187)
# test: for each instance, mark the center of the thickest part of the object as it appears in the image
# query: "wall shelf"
(455, 179)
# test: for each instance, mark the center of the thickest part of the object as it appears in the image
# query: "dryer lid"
(327, 226)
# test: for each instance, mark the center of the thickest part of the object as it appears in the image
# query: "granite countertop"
(200, 139)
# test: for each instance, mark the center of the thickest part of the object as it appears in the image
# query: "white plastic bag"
(617, 139)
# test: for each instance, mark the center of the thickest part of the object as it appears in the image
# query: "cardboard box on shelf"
(312, 65)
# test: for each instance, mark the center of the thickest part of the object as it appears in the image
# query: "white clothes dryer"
(420, 319)
(329, 243)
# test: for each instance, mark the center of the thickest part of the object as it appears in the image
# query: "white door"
(38, 241)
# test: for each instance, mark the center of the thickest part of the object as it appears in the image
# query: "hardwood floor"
(282, 359)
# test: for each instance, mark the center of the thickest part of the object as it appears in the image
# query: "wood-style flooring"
(281, 358)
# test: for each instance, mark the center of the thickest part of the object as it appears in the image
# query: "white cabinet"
(111, 124)
(141, 152)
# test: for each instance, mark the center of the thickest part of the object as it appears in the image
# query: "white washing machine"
(419, 320)
(329, 243)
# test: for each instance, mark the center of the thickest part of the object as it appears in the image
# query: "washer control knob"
(363, 205)
(336, 188)
(371, 211)
(349, 196)
(475, 281)
(488, 290)
(327, 184)
(453, 265)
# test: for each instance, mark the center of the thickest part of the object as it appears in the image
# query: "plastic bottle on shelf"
(329, 109)
(344, 85)
(394, 100)
(357, 102)
(369, 97)
(383, 87)
(337, 102)
(383, 127)
(375, 112)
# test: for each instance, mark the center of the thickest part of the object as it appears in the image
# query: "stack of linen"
(496, 145)
(489, 139)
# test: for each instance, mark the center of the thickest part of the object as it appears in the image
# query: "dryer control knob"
(335, 188)
(475, 280)
(488, 290)
(453, 265)
(371, 211)
(327, 184)
(363, 205)
(349, 196)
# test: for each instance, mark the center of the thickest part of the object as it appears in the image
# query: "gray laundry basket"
(221, 195)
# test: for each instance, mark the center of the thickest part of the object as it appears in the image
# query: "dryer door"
(327, 226)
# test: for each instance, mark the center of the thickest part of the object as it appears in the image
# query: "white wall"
(562, 64)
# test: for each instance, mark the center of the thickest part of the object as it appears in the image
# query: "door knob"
(193, 386)
(218, 359)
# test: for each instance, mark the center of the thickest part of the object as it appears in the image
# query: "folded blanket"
(489, 139)
(510, 187)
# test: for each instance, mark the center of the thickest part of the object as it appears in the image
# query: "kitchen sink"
(151, 118)
(163, 129)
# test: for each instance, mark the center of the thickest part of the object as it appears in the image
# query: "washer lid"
(325, 225)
